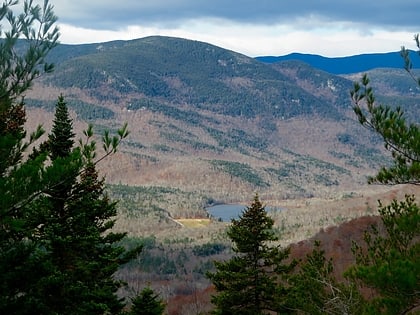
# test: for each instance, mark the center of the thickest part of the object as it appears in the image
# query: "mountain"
(212, 125)
(208, 125)
(346, 65)
(172, 70)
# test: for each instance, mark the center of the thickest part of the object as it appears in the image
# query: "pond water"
(227, 212)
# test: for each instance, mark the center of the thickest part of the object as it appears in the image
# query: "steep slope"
(185, 72)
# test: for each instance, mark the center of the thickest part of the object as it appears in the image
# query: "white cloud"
(327, 39)
(263, 27)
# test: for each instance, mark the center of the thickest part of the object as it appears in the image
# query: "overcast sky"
(252, 27)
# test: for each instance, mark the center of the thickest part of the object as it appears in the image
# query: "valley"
(210, 126)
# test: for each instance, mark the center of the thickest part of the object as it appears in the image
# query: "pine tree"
(388, 261)
(61, 138)
(250, 282)
(57, 255)
(75, 217)
(21, 180)
(401, 137)
(315, 290)
(147, 303)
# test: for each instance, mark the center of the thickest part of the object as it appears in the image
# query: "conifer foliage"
(61, 138)
(82, 254)
(21, 259)
(250, 282)
(57, 253)
(401, 136)
(315, 290)
(388, 261)
(147, 303)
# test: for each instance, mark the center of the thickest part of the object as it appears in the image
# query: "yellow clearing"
(194, 223)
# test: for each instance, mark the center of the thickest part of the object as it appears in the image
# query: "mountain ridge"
(345, 65)
(214, 122)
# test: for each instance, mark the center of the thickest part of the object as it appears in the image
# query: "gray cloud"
(111, 14)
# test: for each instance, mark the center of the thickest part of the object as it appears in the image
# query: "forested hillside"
(206, 118)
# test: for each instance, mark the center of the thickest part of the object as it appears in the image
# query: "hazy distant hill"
(346, 65)
(209, 120)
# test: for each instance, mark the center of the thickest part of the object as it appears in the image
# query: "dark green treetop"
(147, 303)
(75, 219)
(61, 137)
(250, 282)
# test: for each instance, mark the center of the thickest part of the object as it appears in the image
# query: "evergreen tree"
(57, 255)
(315, 290)
(401, 137)
(61, 138)
(251, 281)
(147, 303)
(75, 216)
(21, 260)
(388, 262)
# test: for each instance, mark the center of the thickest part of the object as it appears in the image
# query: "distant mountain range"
(346, 65)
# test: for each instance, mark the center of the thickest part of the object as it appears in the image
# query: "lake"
(227, 212)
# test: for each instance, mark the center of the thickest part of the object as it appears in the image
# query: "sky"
(331, 28)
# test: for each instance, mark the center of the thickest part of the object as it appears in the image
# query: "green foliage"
(390, 262)
(250, 282)
(61, 138)
(22, 261)
(240, 170)
(159, 204)
(323, 173)
(85, 111)
(161, 265)
(170, 110)
(400, 137)
(237, 139)
(315, 290)
(147, 303)
(176, 135)
(88, 111)
(208, 249)
(18, 68)
(171, 71)
(55, 229)
(73, 219)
